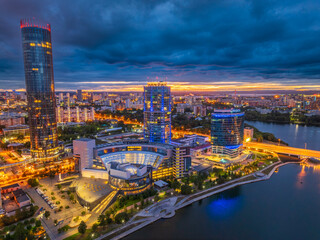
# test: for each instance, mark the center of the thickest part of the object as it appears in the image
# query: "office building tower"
(227, 132)
(37, 53)
(79, 95)
(157, 112)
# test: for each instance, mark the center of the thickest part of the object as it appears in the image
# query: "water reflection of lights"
(224, 207)
(305, 166)
(312, 163)
(296, 130)
(300, 177)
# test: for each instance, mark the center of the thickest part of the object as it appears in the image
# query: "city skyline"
(243, 45)
(159, 108)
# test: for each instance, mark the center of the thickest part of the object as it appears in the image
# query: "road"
(283, 149)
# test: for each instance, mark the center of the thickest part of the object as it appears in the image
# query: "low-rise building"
(11, 119)
(21, 198)
(10, 188)
(247, 134)
(16, 130)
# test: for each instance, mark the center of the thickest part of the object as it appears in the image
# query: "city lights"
(155, 107)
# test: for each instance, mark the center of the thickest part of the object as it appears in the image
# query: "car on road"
(41, 210)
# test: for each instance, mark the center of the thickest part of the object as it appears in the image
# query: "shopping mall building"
(131, 166)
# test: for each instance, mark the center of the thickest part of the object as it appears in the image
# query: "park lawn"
(78, 236)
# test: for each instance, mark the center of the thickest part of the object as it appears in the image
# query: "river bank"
(283, 118)
(168, 207)
(293, 134)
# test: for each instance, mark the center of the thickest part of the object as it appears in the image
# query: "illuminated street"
(283, 149)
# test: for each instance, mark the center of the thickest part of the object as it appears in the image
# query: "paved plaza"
(91, 189)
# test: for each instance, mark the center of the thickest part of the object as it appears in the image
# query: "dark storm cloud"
(206, 41)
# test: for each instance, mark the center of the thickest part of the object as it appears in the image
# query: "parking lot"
(43, 199)
(52, 205)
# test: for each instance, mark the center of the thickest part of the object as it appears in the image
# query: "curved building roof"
(134, 157)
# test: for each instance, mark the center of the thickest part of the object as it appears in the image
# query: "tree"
(20, 233)
(38, 223)
(82, 227)
(33, 182)
(186, 189)
(32, 220)
(71, 197)
(19, 214)
(156, 198)
(47, 214)
(102, 220)
(109, 220)
(63, 229)
(175, 184)
(121, 217)
(83, 213)
(95, 227)
(259, 138)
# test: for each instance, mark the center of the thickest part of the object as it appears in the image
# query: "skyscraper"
(38, 67)
(79, 95)
(227, 132)
(157, 112)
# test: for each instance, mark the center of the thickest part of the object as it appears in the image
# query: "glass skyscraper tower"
(227, 132)
(157, 112)
(38, 67)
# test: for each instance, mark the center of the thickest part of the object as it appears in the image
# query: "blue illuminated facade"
(38, 68)
(227, 132)
(157, 113)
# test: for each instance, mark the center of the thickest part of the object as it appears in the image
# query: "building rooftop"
(18, 193)
(157, 84)
(206, 145)
(15, 127)
(20, 196)
(161, 184)
(32, 22)
(11, 186)
(84, 139)
(222, 113)
(133, 142)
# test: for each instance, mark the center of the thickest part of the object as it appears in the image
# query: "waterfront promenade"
(167, 208)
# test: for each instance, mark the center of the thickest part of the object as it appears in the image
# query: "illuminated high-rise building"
(157, 112)
(227, 132)
(79, 95)
(38, 67)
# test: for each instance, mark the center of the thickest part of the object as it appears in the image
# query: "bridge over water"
(291, 151)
